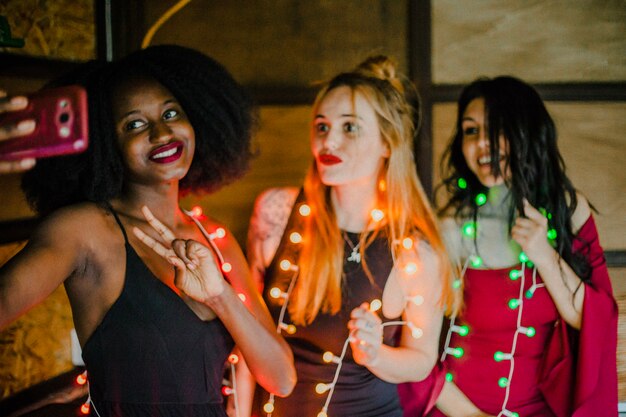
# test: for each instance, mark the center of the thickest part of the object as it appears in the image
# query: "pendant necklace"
(355, 256)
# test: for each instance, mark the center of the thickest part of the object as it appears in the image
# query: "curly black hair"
(514, 109)
(220, 110)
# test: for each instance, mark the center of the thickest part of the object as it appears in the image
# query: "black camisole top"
(151, 355)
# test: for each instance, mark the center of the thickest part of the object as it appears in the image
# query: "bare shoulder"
(271, 212)
(582, 212)
(73, 224)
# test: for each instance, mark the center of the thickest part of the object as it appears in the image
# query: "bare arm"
(268, 356)
(453, 403)
(52, 254)
(415, 286)
(267, 224)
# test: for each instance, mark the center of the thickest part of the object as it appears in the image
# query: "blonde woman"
(359, 235)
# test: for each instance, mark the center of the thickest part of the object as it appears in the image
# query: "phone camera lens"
(64, 118)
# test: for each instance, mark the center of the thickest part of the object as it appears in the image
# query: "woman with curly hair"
(163, 121)
(538, 328)
(353, 267)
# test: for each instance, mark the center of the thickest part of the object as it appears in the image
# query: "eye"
(351, 128)
(170, 114)
(321, 128)
(470, 130)
(133, 125)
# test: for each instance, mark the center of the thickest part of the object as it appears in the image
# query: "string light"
(503, 382)
(289, 328)
(514, 303)
(551, 234)
(501, 356)
(196, 211)
(469, 229)
(508, 413)
(523, 258)
(375, 305)
(480, 199)
(528, 331)
(295, 237)
(85, 408)
(377, 215)
(462, 183)
(81, 379)
(329, 357)
(242, 297)
(514, 274)
(304, 210)
(417, 299)
(449, 376)
(268, 407)
(461, 330)
(227, 267)
(476, 261)
(410, 268)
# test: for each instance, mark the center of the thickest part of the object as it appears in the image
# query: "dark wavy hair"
(220, 110)
(515, 110)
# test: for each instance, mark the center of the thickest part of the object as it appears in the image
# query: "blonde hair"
(400, 195)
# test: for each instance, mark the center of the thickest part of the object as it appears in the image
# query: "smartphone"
(62, 125)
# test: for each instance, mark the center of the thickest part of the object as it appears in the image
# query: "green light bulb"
(531, 332)
(523, 257)
(551, 234)
(463, 330)
(498, 356)
(503, 382)
(456, 284)
(449, 377)
(515, 274)
(462, 183)
(513, 303)
(476, 261)
(481, 199)
(529, 294)
(469, 229)
(530, 264)
(458, 352)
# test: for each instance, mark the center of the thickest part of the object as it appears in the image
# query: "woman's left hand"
(531, 234)
(197, 273)
(366, 335)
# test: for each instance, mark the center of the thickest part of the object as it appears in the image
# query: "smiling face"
(346, 140)
(154, 135)
(476, 148)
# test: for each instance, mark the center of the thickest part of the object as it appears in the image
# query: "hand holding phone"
(61, 124)
(10, 131)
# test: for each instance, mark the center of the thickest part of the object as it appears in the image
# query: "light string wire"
(281, 316)
(210, 237)
(415, 331)
(511, 355)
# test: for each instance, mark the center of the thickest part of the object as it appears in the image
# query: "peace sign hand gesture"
(197, 273)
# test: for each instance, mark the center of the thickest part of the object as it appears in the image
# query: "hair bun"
(383, 68)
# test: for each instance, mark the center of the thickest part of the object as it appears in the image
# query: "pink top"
(557, 372)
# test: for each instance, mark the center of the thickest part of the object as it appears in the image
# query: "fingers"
(8, 167)
(166, 234)
(533, 214)
(156, 246)
(186, 251)
(13, 130)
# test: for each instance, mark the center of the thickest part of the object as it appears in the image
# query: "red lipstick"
(167, 153)
(328, 159)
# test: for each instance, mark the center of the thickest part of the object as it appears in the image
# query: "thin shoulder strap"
(117, 219)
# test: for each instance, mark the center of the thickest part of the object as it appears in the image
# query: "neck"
(499, 200)
(353, 204)
(161, 200)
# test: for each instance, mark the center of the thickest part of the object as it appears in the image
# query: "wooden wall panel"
(61, 29)
(284, 156)
(286, 42)
(593, 144)
(540, 41)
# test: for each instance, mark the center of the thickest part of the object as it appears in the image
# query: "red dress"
(558, 371)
